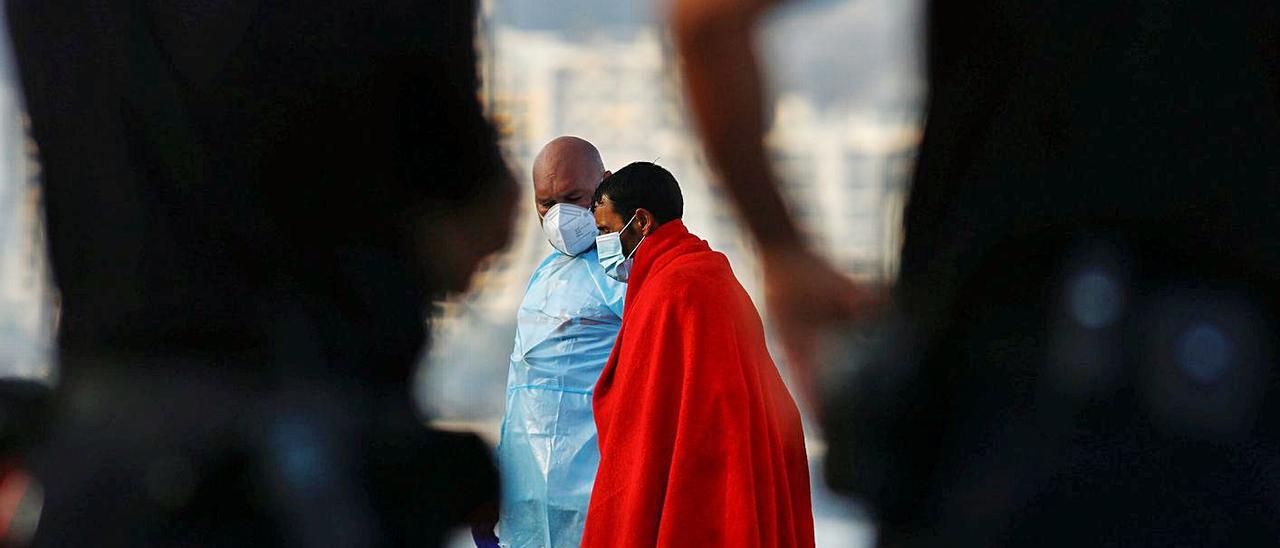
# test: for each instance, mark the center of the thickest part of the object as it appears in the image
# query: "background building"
(26, 316)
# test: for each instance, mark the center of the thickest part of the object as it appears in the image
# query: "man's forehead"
(561, 183)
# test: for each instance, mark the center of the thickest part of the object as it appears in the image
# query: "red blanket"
(700, 442)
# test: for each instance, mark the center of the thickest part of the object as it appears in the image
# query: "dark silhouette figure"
(1081, 345)
(250, 206)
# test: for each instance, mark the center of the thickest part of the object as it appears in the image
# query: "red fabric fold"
(701, 444)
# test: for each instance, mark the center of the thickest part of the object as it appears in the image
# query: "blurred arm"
(803, 292)
(715, 39)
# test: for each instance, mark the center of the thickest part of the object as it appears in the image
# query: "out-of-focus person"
(1081, 345)
(700, 441)
(565, 328)
(249, 207)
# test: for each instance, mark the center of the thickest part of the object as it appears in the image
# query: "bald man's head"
(566, 171)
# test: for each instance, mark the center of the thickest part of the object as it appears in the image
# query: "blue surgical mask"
(609, 249)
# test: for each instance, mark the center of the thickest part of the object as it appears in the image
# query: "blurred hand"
(805, 295)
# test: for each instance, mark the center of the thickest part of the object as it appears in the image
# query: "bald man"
(565, 329)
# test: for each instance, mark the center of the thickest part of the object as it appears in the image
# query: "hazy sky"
(859, 54)
(854, 54)
(574, 17)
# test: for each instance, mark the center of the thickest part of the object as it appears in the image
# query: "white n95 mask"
(609, 251)
(571, 229)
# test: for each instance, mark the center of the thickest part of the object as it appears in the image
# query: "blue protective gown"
(548, 455)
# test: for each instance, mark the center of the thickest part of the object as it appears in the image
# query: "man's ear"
(645, 223)
(606, 175)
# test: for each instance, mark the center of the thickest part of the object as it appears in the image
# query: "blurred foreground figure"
(250, 206)
(700, 442)
(1082, 343)
(564, 331)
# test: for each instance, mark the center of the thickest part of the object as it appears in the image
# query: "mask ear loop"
(637, 247)
(624, 227)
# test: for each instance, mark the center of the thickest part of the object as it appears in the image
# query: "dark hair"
(642, 185)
